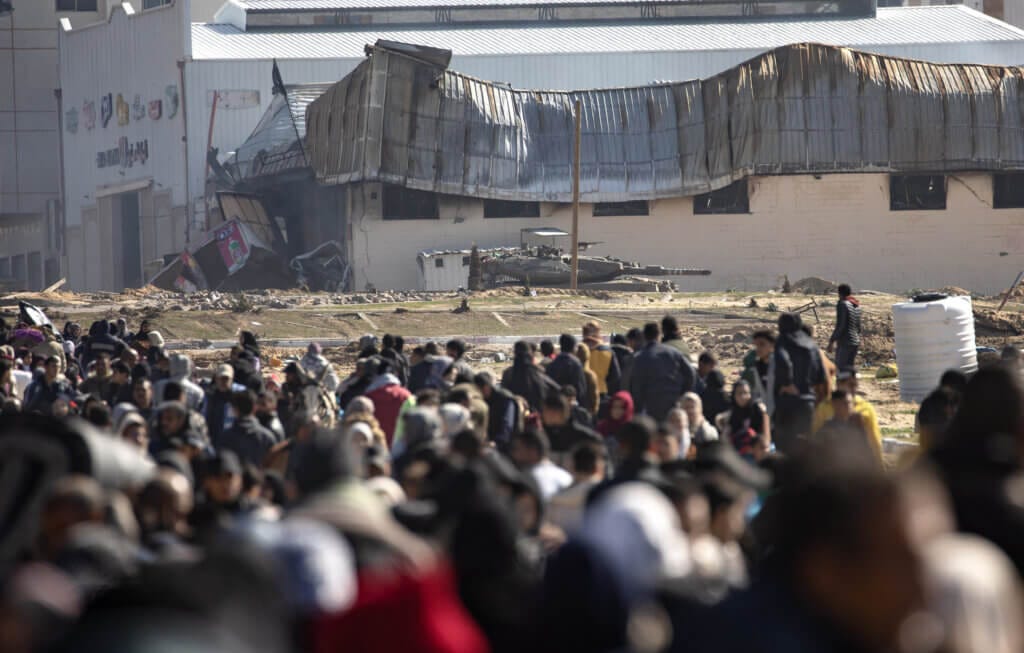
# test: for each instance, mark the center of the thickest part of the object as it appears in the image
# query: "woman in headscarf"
(526, 379)
(248, 341)
(714, 397)
(620, 412)
(747, 426)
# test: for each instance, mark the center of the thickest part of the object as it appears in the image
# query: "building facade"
(835, 226)
(32, 113)
(136, 186)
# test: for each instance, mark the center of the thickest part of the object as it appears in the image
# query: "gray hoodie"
(181, 373)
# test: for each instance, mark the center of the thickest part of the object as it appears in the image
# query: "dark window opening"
(510, 209)
(438, 262)
(465, 261)
(731, 199)
(917, 193)
(153, 4)
(613, 209)
(1008, 191)
(76, 5)
(402, 203)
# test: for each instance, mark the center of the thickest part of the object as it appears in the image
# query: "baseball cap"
(225, 370)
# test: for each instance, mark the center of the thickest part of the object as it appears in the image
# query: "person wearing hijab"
(747, 426)
(797, 370)
(526, 379)
(620, 411)
(248, 341)
(714, 398)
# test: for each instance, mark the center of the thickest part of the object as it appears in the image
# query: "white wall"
(127, 56)
(836, 227)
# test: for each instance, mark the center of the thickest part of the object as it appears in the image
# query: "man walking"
(661, 375)
(603, 360)
(846, 336)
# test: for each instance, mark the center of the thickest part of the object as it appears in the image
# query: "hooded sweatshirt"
(181, 372)
(797, 358)
(387, 395)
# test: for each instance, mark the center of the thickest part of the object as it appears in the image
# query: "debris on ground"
(815, 286)
(990, 323)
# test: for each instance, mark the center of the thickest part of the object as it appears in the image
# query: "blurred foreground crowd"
(610, 495)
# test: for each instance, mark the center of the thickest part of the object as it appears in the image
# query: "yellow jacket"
(823, 413)
(601, 363)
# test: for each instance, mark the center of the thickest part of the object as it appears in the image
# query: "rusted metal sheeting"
(803, 108)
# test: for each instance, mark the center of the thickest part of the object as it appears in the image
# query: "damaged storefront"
(273, 225)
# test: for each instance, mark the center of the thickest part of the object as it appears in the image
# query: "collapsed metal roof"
(275, 145)
(804, 108)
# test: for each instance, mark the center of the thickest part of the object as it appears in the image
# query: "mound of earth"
(814, 286)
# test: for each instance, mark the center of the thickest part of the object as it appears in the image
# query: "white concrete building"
(30, 130)
(136, 188)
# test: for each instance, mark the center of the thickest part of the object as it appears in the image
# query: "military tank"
(547, 266)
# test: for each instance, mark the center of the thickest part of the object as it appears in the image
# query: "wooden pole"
(574, 280)
(1006, 297)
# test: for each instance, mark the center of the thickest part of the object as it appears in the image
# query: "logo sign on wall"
(123, 111)
(89, 114)
(106, 109)
(171, 93)
(156, 109)
(138, 108)
(232, 100)
(125, 155)
(71, 119)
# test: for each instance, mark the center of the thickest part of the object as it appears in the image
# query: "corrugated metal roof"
(905, 25)
(798, 109)
(340, 5)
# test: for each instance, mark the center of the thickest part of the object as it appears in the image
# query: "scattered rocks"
(815, 286)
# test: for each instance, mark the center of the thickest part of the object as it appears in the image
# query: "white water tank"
(932, 337)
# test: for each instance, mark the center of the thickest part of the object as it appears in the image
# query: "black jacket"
(566, 369)
(660, 376)
(798, 362)
(847, 331)
(624, 355)
(248, 439)
(216, 414)
(529, 382)
(503, 417)
(100, 341)
(566, 437)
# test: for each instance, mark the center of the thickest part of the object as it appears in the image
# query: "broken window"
(614, 209)
(1008, 191)
(731, 199)
(509, 209)
(917, 192)
(401, 203)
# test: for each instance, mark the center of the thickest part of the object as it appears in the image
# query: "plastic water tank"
(932, 337)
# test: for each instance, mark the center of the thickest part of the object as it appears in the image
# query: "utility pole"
(574, 279)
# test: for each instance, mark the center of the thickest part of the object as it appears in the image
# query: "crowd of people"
(606, 494)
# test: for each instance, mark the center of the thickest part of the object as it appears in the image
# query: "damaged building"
(137, 131)
(808, 159)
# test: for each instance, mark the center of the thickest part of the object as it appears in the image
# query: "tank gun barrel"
(662, 271)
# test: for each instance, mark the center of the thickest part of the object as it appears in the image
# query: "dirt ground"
(205, 323)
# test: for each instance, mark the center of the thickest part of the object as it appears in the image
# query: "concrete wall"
(837, 227)
(133, 58)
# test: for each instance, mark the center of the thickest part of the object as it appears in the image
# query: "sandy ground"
(203, 323)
